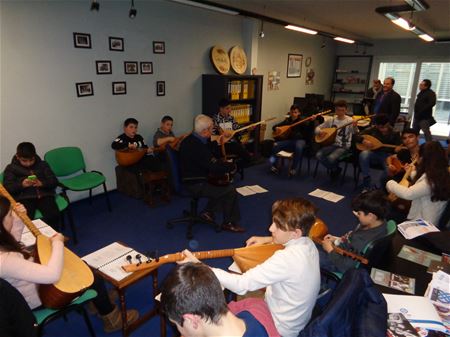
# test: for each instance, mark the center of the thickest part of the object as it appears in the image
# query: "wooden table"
(121, 287)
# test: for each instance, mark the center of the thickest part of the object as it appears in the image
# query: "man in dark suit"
(423, 109)
(388, 101)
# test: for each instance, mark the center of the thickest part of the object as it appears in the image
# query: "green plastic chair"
(68, 165)
(46, 315)
(63, 207)
(375, 250)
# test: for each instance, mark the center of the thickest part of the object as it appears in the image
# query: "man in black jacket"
(197, 164)
(388, 101)
(32, 182)
(423, 109)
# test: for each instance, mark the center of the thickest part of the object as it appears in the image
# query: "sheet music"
(250, 190)
(257, 189)
(330, 196)
(28, 238)
(110, 259)
(245, 191)
(285, 154)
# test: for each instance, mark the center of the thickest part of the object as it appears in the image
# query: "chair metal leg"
(72, 224)
(108, 203)
(90, 196)
(316, 168)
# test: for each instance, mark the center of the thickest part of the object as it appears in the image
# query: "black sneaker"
(274, 170)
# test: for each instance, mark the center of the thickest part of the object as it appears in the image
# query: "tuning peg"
(129, 258)
(138, 257)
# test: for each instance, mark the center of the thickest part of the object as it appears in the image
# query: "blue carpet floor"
(143, 228)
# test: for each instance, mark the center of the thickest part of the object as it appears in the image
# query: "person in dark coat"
(31, 181)
(423, 109)
(388, 101)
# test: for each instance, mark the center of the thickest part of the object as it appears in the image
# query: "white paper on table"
(244, 190)
(28, 239)
(257, 189)
(285, 154)
(419, 310)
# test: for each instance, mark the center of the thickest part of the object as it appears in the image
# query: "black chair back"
(173, 161)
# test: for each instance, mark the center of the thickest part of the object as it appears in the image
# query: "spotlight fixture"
(95, 6)
(261, 31)
(343, 39)
(132, 13)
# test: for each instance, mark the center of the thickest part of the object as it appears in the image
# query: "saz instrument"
(75, 277)
(317, 233)
(129, 157)
(376, 144)
(246, 257)
(173, 144)
(328, 135)
(216, 138)
(397, 202)
(282, 132)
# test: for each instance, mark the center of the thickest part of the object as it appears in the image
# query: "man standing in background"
(423, 109)
(388, 101)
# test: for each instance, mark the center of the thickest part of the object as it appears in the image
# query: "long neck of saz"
(23, 216)
(169, 258)
(344, 252)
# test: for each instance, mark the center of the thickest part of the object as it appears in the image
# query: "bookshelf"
(245, 95)
(351, 80)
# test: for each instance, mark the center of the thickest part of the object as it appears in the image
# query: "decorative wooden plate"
(220, 60)
(238, 60)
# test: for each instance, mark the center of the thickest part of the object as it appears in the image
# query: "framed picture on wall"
(159, 47)
(294, 66)
(82, 40)
(119, 88)
(116, 43)
(130, 67)
(103, 67)
(84, 89)
(146, 67)
(160, 88)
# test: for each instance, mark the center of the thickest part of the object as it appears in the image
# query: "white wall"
(273, 54)
(39, 67)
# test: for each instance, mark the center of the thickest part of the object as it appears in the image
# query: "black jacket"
(197, 161)
(303, 130)
(390, 105)
(425, 101)
(122, 141)
(16, 173)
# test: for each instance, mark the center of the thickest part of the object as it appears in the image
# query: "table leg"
(123, 311)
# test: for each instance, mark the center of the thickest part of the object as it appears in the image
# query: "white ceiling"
(352, 18)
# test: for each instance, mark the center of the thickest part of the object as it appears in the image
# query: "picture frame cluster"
(104, 67)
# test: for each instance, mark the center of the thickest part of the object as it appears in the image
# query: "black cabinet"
(245, 95)
(351, 80)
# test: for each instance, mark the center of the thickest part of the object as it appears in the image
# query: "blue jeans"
(376, 158)
(329, 156)
(293, 145)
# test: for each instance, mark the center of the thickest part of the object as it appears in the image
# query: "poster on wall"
(273, 82)
(310, 76)
(294, 66)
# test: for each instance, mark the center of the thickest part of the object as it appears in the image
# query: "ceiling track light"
(343, 39)
(132, 13)
(301, 29)
(95, 6)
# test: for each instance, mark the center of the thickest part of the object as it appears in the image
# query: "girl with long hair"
(430, 189)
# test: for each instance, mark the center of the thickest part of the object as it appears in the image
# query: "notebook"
(110, 259)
